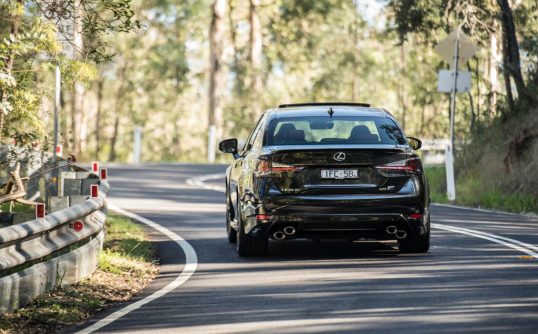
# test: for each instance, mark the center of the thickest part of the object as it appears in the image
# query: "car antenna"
(331, 112)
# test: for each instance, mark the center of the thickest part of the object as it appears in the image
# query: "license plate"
(339, 173)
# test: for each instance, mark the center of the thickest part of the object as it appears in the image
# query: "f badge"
(339, 156)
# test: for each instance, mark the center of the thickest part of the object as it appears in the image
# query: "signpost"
(455, 48)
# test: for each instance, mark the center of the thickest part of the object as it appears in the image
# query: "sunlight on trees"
(176, 67)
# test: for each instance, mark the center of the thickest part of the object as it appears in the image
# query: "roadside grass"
(126, 265)
(16, 207)
(474, 191)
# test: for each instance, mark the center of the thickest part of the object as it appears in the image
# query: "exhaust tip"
(401, 234)
(391, 229)
(279, 235)
(289, 230)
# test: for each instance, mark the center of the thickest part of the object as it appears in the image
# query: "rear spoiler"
(287, 148)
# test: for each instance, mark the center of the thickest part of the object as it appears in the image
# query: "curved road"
(465, 284)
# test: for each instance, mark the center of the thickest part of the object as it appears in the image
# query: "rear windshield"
(322, 130)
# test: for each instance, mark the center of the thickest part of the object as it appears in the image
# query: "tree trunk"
(491, 73)
(401, 89)
(117, 111)
(255, 54)
(100, 86)
(507, 82)
(511, 59)
(233, 33)
(114, 138)
(355, 80)
(78, 88)
(8, 63)
(216, 75)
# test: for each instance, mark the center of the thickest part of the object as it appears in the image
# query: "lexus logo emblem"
(339, 156)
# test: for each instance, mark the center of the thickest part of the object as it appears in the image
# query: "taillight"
(268, 168)
(416, 216)
(264, 167)
(263, 217)
(401, 167)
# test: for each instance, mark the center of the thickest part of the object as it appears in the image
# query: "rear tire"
(230, 232)
(415, 243)
(248, 245)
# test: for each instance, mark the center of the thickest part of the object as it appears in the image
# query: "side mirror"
(228, 146)
(415, 143)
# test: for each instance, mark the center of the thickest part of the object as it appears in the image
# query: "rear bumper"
(346, 217)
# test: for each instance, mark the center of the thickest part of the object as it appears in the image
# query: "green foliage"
(102, 18)
(34, 46)
(77, 71)
(24, 124)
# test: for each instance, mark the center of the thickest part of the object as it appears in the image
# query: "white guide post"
(137, 145)
(450, 180)
(211, 144)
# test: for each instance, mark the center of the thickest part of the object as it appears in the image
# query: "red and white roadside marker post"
(40, 211)
(103, 174)
(95, 167)
(94, 191)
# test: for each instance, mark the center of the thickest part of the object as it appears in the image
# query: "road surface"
(467, 283)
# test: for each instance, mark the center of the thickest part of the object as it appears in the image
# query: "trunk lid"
(337, 171)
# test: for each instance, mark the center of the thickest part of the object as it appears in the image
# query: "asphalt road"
(465, 284)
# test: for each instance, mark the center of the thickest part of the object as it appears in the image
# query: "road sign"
(445, 84)
(446, 47)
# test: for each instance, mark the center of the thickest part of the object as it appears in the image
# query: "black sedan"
(326, 171)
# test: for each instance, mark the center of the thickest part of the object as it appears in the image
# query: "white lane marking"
(189, 269)
(200, 182)
(507, 242)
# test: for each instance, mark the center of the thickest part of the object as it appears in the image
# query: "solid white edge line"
(507, 242)
(461, 207)
(191, 263)
(502, 240)
(491, 237)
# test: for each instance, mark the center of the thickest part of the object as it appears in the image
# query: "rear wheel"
(230, 232)
(248, 245)
(415, 243)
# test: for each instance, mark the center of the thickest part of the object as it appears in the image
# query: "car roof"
(322, 110)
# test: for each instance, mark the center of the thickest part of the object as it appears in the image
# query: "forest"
(175, 68)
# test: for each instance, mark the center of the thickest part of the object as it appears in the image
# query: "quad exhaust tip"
(279, 235)
(289, 230)
(401, 234)
(391, 229)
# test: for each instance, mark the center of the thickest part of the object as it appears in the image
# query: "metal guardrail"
(41, 254)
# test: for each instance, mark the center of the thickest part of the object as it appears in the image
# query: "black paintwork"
(320, 209)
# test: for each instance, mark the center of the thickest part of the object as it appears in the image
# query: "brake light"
(401, 167)
(268, 168)
(416, 216)
(263, 217)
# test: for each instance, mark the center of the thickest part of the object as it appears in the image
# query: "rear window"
(322, 130)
